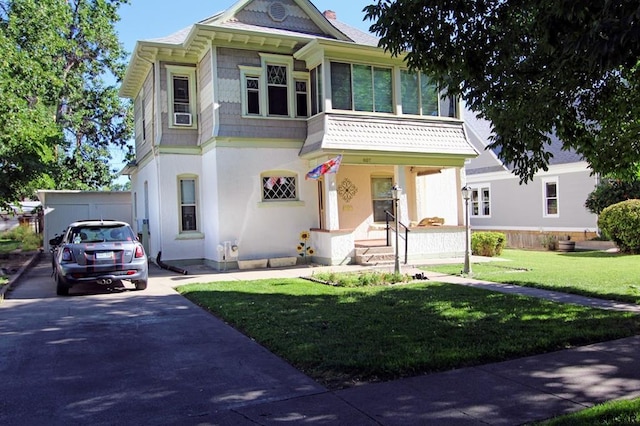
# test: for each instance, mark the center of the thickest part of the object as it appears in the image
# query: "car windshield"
(99, 234)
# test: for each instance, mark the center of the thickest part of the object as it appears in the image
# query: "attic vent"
(277, 11)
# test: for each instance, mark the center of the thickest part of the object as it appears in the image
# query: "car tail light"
(67, 255)
(139, 251)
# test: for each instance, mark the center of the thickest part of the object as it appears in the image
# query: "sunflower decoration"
(304, 248)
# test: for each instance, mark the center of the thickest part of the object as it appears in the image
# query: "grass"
(20, 237)
(625, 412)
(590, 273)
(341, 336)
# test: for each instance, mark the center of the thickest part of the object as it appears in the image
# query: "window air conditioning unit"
(182, 119)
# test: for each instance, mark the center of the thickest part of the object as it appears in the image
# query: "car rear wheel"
(140, 285)
(61, 289)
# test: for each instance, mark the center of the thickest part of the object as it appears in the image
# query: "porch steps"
(374, 253)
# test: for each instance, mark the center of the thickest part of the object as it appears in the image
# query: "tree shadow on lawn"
(345, 336)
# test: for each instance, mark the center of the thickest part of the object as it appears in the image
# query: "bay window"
(361, 87)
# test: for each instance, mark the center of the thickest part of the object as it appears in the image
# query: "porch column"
(401, 180)
(331, 212)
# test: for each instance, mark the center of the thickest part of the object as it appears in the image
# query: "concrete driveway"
(129, 357)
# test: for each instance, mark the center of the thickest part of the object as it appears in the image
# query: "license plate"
(104, 255)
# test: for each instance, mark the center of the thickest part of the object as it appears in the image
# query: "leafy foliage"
(621, 223)
(611, 191)
(60, 113)
(534, 69)
(488, 243)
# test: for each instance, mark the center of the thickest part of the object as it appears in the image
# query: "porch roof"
(390, 137)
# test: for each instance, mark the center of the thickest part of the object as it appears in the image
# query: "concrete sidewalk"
(506, 393)
(206, 373)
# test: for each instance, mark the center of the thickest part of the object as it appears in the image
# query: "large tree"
(60, 63)
(533, 68)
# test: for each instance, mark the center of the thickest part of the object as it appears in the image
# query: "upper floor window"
(274, 89)
(182, 96)
(317, 101)
(277, 90)
(253, 95)
(550, 197)
(188, 204)
(481, 201)
(279, 186)
(361, 87)
(419, 95)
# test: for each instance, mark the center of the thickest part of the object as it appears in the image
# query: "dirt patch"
(10, 263)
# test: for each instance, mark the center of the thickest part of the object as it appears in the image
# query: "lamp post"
(396, 191)
(466, 194)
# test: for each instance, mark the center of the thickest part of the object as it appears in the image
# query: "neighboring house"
(552, 205)
(232, 112)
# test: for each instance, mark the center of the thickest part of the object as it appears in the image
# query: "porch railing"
(391, 219)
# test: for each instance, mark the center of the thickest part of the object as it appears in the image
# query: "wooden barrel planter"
(566, 246)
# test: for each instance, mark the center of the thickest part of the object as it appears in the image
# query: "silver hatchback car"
(98, 251)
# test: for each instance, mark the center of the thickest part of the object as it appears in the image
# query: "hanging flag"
(329, 166)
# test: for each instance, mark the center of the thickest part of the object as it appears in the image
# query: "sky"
(148, 19)
(145, 19)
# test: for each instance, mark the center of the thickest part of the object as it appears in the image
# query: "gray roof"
(483, 129)
(356, 35)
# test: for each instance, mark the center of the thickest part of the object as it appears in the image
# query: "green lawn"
(341, 336)
(591, 273)
(610, 413)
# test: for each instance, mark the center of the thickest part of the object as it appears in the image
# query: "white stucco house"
(232, 112)
(552, 205)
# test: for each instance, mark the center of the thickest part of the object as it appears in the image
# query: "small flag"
(329, 166)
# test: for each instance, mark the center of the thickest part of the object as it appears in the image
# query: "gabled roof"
(241, 25)
(480, 132)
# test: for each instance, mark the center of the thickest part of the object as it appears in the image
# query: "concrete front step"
(375, 255)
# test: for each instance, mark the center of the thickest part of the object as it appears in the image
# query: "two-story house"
(232, 112)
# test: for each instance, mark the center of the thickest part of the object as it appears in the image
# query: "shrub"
(621, 223)
(24, 235)
(611, 191)
(488, 243)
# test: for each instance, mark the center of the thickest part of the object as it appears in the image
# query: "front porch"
(339, 247)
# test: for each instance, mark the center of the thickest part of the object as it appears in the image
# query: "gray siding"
(232, 124)
(295, 21)
(205, 98)
(172, 136)
(146, 95)
(521, 206)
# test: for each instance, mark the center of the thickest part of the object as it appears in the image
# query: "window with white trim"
(187, 193)
(382, 198)
(274, 89)
(480, 200)
(419, 94)
(357, 87)
(550, 197)
(279, 186)
(317, 101)
(181, 88)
